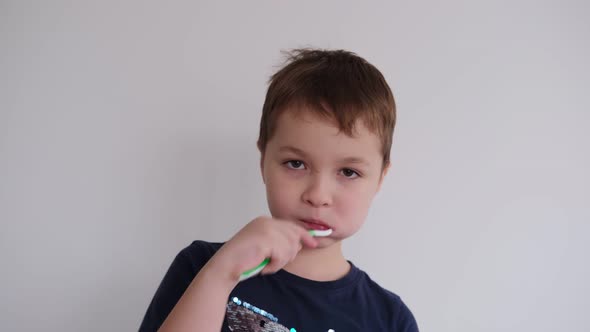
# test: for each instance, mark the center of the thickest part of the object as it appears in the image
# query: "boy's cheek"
(282, 190)
(354, 215)
(280, 202)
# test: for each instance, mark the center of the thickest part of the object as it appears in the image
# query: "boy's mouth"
(315, 224)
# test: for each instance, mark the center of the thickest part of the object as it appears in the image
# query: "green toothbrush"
(254, 271)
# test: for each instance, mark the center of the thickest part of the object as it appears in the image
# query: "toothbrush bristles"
(321, 233)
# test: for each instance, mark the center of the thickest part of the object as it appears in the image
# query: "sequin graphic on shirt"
(243, 317)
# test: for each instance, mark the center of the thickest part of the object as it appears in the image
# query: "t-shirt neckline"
(350, 278)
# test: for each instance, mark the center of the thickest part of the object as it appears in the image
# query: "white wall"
(128, 129)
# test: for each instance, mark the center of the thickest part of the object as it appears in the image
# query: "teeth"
(320, 233)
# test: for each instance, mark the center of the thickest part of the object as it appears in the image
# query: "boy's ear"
(262, 166)
(383, 174)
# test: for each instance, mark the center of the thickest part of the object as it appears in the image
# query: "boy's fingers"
(273, 266)
(308, 240)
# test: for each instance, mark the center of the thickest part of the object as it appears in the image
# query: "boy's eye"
(294, 164)
(349, 173)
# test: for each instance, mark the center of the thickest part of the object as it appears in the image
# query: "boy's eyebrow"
(289, 148)
(348, 160)
(355, 160)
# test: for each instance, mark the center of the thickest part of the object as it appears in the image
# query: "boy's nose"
(317, 192)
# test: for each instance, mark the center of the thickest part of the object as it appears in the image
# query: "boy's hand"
(263, 237)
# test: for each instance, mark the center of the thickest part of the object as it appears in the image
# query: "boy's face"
(320, 177)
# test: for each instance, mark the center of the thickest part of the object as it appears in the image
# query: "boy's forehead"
(306, 130)
(306, 120)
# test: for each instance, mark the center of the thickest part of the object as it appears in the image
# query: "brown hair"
(335, 84)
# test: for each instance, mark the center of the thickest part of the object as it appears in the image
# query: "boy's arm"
(180, 274)
(202, 306)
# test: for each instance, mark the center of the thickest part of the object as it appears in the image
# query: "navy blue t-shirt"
(285, 302)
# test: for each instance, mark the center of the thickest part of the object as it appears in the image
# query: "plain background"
(128, 130)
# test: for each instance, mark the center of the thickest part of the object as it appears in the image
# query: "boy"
(325, 136)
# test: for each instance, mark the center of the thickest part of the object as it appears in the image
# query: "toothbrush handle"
(254, 271)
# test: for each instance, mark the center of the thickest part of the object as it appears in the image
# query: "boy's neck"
(324, 264)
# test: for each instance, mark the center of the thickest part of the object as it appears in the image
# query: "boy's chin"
(326, 243)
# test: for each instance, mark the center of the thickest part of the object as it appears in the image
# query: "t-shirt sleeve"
(180, 274)
(406, 321)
